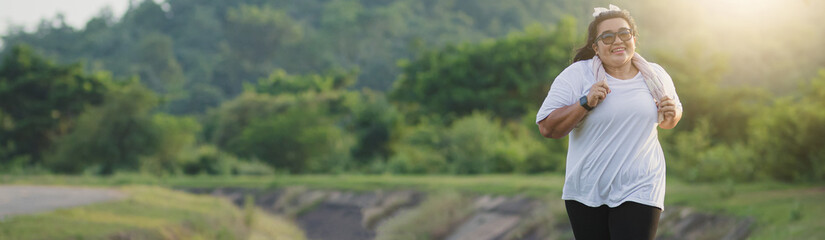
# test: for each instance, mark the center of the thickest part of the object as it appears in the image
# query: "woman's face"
(620, 51)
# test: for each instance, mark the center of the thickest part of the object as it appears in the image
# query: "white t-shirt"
(614, 153)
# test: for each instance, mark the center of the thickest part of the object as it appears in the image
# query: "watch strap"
(583, 103)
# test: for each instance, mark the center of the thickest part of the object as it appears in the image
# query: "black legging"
(630, 220)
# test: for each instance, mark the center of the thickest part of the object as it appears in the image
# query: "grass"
(781, 211)
(532, 185)
(274, 227)
(146, 213)
(433, 219)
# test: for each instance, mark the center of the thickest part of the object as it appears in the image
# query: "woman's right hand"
(597, 93)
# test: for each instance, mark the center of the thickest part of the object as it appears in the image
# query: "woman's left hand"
(667, 106)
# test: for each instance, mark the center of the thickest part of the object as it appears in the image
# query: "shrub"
(299, 140)
(528, 152)
(210, 160)
(433, 219)
(419, 149)
(475, 144)
(787, 137)
(175, 144)
(693, 156)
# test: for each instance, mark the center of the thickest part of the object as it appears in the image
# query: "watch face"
(583, 102)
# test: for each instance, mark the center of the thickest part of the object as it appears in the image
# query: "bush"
(433, 219)
(300, 140)
(475, 144)
(112, 136)
(693, 156)
(227, 122)
(506, 77)
(175, 145)
(417, 160)
(788, 139)
(419, 149)
(210, 160)
(529, 152)
(373, 122)
(252, 167)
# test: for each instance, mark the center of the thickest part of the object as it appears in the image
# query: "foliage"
(39, 101)
(279, 82)
(292, 122)
(210, 161)
(174, 146)
(786, 136)
(529, 152)
(461, 102)
(696, 159)
(111, 136)
(228, 121)
(298, 140)
(698, 78)
(373, 122)
(226, 44)
(257, 33)
(475, 144)
(507, 77)
(420, 149)
(158, 68)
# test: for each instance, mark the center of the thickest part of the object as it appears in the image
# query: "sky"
(28, 13)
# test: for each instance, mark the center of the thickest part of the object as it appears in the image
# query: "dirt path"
(20, 199)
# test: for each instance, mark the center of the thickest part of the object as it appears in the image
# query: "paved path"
(20, 199)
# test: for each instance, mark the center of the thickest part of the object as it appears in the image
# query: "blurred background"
(426, 89)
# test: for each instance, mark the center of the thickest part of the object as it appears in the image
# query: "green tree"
(228, 121)
(158, 67)
(507, 77)
(257, 33)
(112, 136)
(698, 77)
(276, 95)
(307, 114)
(420, 149)
(474, 143)
(198, 99)
(374, 120)
(279, 82)
(41, 100)
(299, 140)
(147, 17)
(176, 145)
(787, 136)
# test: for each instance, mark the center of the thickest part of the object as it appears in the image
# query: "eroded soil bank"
(349, 215)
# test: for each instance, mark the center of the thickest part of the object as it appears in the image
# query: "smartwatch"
(583, 102)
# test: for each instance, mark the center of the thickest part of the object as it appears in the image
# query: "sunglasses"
(609, 37)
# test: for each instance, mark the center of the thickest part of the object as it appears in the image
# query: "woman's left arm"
(672, 114)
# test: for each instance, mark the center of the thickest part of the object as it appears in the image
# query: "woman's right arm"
(561, 121)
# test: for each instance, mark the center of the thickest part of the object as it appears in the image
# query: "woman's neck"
(624, 71)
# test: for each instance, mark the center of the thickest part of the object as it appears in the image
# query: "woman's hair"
(586, 51)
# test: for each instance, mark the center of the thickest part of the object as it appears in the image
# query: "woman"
(610, 101)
